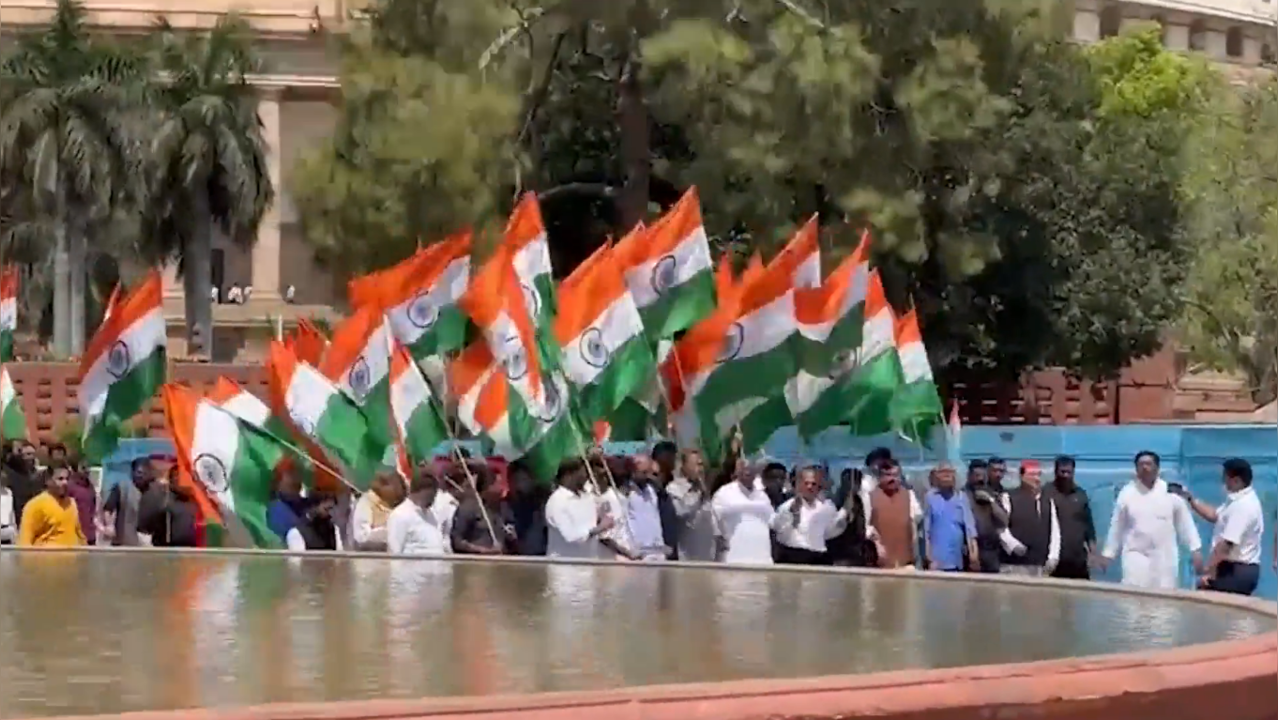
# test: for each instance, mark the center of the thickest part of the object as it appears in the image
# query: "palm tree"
(208, 158)
(70, 111)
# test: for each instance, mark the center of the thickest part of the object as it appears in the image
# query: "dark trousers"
(1072, 570)
(989, 559)
(799, 556)
(1236, 578)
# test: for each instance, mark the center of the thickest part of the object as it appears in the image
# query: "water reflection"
(111, 633)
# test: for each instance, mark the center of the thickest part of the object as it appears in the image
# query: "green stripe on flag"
(448, 333)
(680, 308)
(126, 397)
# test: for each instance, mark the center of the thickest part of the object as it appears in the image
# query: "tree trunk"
(61, 282)
(197, 281)
(634, 148)
(77, 252)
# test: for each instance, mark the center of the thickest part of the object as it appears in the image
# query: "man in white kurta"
(421, 524)
(745, 519)
(1147, 527)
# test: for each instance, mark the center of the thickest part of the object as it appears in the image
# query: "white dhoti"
(1152, 572)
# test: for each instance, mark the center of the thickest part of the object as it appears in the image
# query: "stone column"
(173, 289)
(1087, 25)
(266, 251)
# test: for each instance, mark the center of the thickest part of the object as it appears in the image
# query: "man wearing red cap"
(1032, 538)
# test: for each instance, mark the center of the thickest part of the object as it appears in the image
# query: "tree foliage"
(425, 142)
(1231, 194)
(206, 160)
(1012, 180)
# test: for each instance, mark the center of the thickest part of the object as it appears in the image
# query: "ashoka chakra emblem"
(305, 425)
(532, 301)
(732, 343)
(844, 362)
(212, 473)
(593, 349)
(422, 312)
(516, 362)
(664, 274)
(359, 378)
(551, 401)
(118, 359)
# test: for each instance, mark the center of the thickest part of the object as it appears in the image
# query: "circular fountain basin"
(107, 632)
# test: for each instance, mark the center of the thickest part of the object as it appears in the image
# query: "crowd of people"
(56, 503)
(668, 505)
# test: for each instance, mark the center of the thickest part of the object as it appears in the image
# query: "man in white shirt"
(574, 520)
(1147, 522)
(804, 522)
(745, 515)
(420, 524)
(1234, 565)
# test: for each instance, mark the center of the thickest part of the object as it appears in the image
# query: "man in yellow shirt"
(51, 518)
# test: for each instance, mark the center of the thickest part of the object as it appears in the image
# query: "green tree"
(971, 137)
(425, 142)
(1011, 178)
(69, 136)
(206, 160)
(1231, 194)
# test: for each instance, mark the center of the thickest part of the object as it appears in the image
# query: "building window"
(1162, 27)
(1197, 35)
(1111, 21)
(1234, 42)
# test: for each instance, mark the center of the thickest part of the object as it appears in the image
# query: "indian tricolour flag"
(858, 386)
(830, 317)
(669, 271)
(603, 349)
(801, 259)
(505, 388)
(756, 356)
(415, 411)
(693, 357)
(8, 311)
(487, 405)
(358, 363)
(498, 302)
(13, 422)
(525, 239)
(321, 412)
(916, 407)
(420, 296)
(123, 366)
(307, 342)
(232, 460)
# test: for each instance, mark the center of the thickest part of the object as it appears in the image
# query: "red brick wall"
(49, 396)
(1142, 393)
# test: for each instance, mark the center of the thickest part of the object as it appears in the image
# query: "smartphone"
(1176, 489)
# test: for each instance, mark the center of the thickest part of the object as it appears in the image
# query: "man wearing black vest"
(1078, 531)
(1032, 539)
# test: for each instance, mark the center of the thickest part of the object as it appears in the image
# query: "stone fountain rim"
(1142, 684)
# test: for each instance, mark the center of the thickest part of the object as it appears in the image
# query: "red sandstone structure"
(1152, 390)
